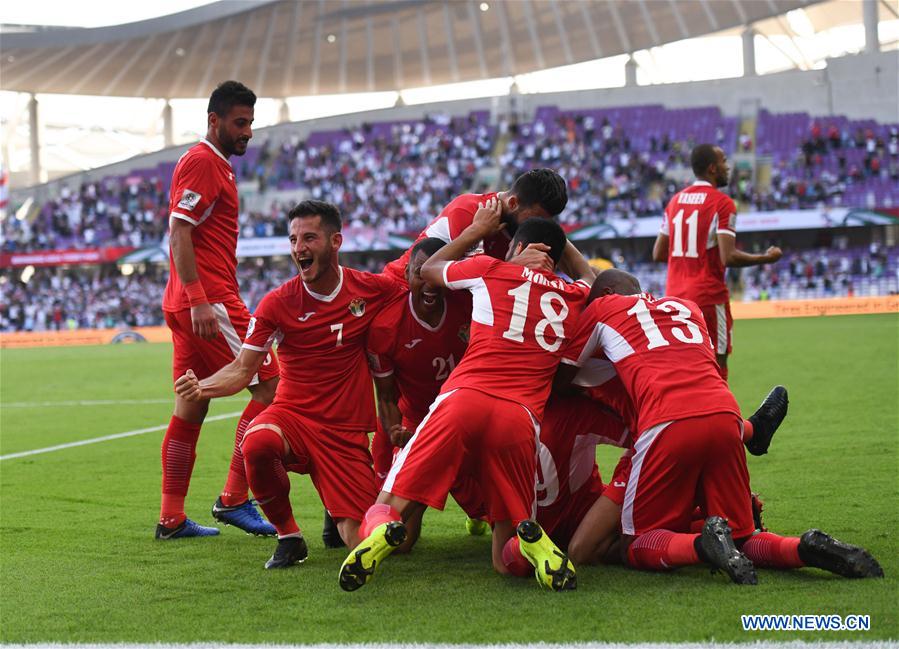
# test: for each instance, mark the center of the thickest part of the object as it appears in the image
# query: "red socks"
(377, 514)
(235, 491)
(514, 561)
(662, 549)
(263, 452)
(178, 454)
(748, 430)
(767, 550)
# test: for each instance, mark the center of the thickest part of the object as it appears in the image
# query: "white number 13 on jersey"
(679, 313)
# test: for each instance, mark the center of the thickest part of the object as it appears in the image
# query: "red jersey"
(519, 321)
(602, 383)
(662, 351)
(453, 220)
(419, 356)
(321, 346)
(205, 195)
(571, 429)
(694, 218)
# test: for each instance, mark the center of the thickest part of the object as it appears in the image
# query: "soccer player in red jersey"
(540, 193)
(324, 406)
(689, 442)
(486, 418)
(205, 312)
(698, 240)
(413, 345)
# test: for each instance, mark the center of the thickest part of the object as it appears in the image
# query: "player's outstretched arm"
(660, 248)
(734, 258)
(201, 314)
(231, 379)
(389, 410)
(575, 265)
(486, 222)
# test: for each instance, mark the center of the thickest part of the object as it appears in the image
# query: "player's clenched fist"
(399, 435)
(487, 218)
(773, 253)
(188, 387)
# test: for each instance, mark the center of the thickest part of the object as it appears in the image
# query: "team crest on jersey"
(189, 199)
(357, 307)
(464, 332)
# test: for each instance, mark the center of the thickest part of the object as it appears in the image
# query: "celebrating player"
(205, 313)
(689, 443)
(486, 418)
(698, 240)
(324, 407)
(537, 193)
(413, 345)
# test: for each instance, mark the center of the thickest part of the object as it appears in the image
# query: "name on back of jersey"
(691, 198)
(540, 278)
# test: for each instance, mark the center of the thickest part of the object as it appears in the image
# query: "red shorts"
(681, 464)
(206, 357)
(561, 519)
(468, 432)
(337, 461)
(720, 324)
(466, 492)
(614, 491)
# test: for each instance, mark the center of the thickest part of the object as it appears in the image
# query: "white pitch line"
(94, 402)
(106, 438)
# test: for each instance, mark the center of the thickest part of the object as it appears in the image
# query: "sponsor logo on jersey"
(251, 327)
(413, 343)
(465, 333)
(306, 316)
(189, 200)
(357, 307)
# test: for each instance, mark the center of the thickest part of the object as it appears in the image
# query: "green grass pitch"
(78, 561)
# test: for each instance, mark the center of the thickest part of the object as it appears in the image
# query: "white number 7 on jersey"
(339, 329)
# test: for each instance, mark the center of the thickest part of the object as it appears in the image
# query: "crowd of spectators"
(103, 297)
(395, 177)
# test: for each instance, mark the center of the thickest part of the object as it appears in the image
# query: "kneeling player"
(690, 443)
(324, 407)
(486, 418)
(413, 345)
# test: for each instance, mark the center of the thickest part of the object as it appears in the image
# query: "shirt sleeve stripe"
(723, 231)
(254, 348)
(184, 217)
(381, 375)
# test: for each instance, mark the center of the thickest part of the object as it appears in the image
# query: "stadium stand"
(618, 162)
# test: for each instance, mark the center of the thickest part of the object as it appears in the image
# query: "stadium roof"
(284, 48)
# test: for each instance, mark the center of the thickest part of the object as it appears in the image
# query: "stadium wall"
(741, 311)
(863, 86)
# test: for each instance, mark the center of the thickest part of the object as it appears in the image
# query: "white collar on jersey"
(217, 152)
(702, 183)
(422, 322)
(333, 294)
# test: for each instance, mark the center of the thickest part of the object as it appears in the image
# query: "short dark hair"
(428, 246)
(329, 213)
(536, 230)
(543, 187)
(229, 94)
(701, 157)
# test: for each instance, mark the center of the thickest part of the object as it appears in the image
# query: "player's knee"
(261, 443)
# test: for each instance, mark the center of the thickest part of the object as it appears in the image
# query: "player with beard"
(538, 193)
(324, 407)
(205, 312)
(698, 239)
(413, 345)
